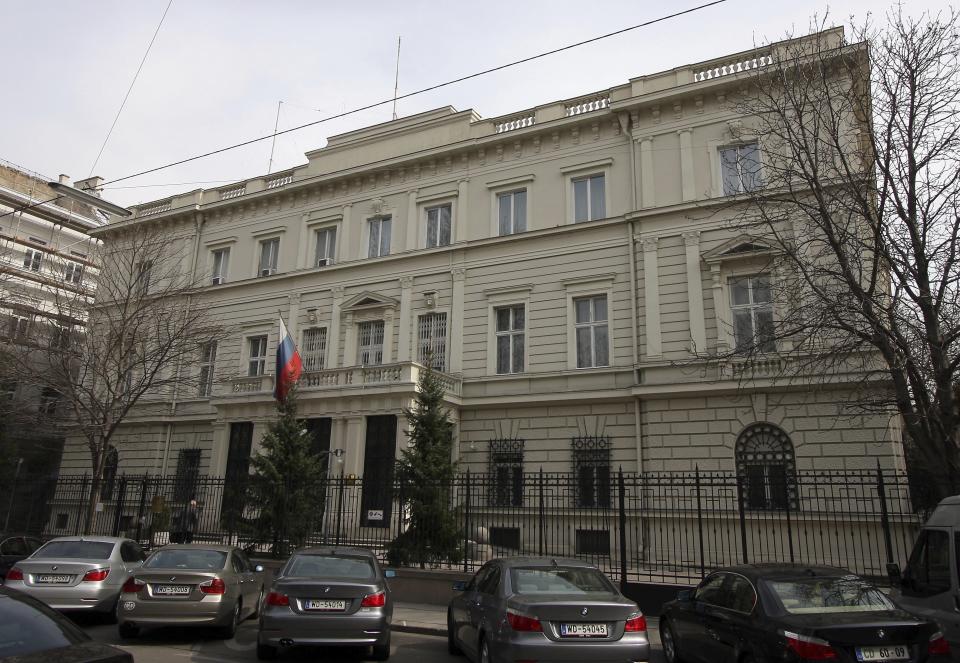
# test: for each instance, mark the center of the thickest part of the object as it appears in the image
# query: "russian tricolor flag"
(289, 365)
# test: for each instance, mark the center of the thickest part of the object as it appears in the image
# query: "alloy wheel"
(669, 646)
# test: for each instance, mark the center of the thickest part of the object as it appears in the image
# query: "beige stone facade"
(599, 218)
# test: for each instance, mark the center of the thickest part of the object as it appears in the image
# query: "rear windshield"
(331, 566)
(558, 580)
(25, 629)
(194, 560)
(75, 550)
(820, 595)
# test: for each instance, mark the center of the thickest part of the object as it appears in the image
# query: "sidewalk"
(432, 620)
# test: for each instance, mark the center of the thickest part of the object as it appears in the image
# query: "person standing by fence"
(186, 523)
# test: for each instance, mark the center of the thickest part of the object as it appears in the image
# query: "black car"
(785, 612)
(13, 548)
(30, 631)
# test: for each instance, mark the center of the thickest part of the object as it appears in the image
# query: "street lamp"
(68, 191)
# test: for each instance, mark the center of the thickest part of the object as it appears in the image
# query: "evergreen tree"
(426, 474)
(289, 481)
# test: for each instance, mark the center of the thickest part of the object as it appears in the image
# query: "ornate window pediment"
(368, 300)
(741, 247)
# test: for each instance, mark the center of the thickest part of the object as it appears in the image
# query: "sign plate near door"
(375, 514)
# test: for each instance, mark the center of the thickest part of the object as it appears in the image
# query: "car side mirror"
(894, 573)
(685, 595)
(389, 573)
(258, 568)
(459, 585)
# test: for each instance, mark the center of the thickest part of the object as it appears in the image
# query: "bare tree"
(123, 352)
(855, 207)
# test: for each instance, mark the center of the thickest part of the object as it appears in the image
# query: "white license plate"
(171, 590)
(325, 604)
(583, 630)
(53, 579)
(883, 653)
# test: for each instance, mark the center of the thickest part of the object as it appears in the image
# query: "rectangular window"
(221, 261)
(432, 340)
(142, 284)
(314, 348)
(188, 475)
(49, 400)
(593, 542)
(73, 273)
(512, 212)
(591, 467)
(257, 353)
(19, 327)
(510, 332)
(740, 168)
(593, 342)
(506, 470)
(752, 307)
(505, 537)
(32, 259)
(438, 226)
(326, 239)
(61, 337)
(589, 199)
(379, 244)
(371, 343)
(269, 256)
(208, 359)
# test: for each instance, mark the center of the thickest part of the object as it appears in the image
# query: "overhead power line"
(390, 100)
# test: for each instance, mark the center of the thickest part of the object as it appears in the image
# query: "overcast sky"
(218, 69)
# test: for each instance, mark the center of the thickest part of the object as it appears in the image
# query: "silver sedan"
(542, 609)
(328, 596)
(78, 573)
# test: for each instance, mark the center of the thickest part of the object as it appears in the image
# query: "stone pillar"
(354, 445)
(647, 197)
(221, 446)
(455, 365)
(698, 326)
(293, 315)
(413, 223)
(651, 294)
(333, 334)
(403, 342)
(686, 165)
(303, 239)
(721, 311)
(388, 317)
(350, 341)
(458, 230)
(343, 236)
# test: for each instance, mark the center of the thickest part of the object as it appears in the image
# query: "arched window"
(766, 467)
(109, 475)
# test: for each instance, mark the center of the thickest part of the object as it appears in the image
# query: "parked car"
(787, 612)
(538, 608)
(929, 585)
(78, 573)
(328, 596)
(32, 632)
(191, 585)
(13, 548)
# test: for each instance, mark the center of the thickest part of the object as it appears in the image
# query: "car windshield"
(25, 629)
(558, 580)
(194, 560)
(331, 566)
(75, 550)
(823, 595)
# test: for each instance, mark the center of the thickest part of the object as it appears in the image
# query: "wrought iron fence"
(653, 527)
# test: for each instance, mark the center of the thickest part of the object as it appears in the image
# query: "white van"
(930, 584)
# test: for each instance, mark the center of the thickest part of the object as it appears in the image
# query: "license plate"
(171, 590)
(583, 630)
(883, 653)
(325, 604)
(53, 579)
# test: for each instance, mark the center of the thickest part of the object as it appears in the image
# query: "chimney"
(64, 179)
(91, 185)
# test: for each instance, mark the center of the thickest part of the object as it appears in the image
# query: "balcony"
(403, 374)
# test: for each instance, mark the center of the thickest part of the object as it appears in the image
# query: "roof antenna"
(396, 80)
(273, 143)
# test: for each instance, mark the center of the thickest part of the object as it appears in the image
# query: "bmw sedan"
(191, 585)
(328, 596)
(78, 573)
(542, 609)
(786, 612)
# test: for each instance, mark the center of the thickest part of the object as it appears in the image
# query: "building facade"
(569, 269)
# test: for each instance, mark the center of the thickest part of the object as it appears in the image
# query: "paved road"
(175, 645)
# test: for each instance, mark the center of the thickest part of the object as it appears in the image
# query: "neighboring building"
(45, 270)
(568, 267)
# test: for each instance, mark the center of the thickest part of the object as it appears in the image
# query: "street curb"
(420, 630)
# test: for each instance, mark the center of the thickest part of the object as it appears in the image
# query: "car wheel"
(382, 652)
(128, 630)
(227, 632)
(110, 616)
(452, 647)
(256, 608)
(266, 652)
(485, 652)
(669, 641)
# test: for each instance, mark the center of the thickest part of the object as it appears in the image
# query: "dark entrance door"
(238, 469)
(378, 461)
(319, 430)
